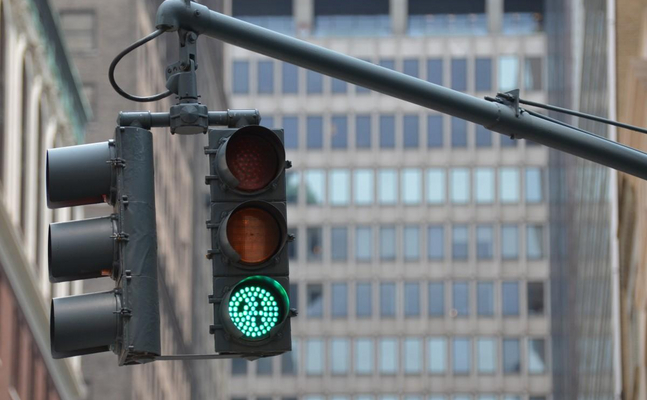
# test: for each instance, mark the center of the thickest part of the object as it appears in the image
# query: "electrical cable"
(558, 122)
(583, 115)
(113, 65)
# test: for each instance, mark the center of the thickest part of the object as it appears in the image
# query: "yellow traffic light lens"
(254, 234)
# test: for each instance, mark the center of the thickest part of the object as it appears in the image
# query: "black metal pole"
(180, 14)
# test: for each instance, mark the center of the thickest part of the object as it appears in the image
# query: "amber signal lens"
(252, 160)
(254, 234)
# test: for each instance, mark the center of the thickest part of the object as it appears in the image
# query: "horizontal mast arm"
(501, 118)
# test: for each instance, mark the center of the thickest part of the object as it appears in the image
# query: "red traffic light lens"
(254, 234)
(252, 160)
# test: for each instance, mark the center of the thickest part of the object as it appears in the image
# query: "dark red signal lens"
(252, 160)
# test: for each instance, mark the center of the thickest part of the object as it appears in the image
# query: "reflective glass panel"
(461, 356)
(364, 356)
(486, 353)
(240, 79)
(387, 299)
(339, 182)
(535, 298)
(412, 355)
(533, 77)
(483, 74)
(314, 82)
(533, 185)
(511, 356)
(435, 186)
(387, 186)
(535, 242)
(436, 305)
(460, 185)
(509, 185)
(314, 131)
(314, 243)
(363, 132)
(411, 67)
(483, 137)
(411, 299)
(314, 356)
(364, 299)
(339, 243)
(435, 131)
(315, 186)
(265, 77)
(290, 359)
(509, 242)
(290, 75)
(435, 71)
(291, 132)
(437, 355)
(411, 131)
(339, 86)
(484, 185)
(510, 298)
(485, 298)
(339, 356)
(363, 241)
(459, 74)
(411, 186)
(363, 186)
(411, 243)
(339, 300)
(387, 243)
(387, 131)
(508, 73)
(484, 242)
(436, 242)
(536, 356)
(388, 356)
(339, 134)
(460, 242)
(314, 292)
(460, 298)
(459, 132)
(292, 187)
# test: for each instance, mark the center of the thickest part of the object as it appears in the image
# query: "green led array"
(254, 311)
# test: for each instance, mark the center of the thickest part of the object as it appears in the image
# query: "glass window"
(460, 242)
(294, 295)
(239, 366)
(267, 122)
(364, 299)
(434, 131)
(339, 300)
(485, 299)
(461, 298)
(509, 242)
(508, 73)
(412, 355)
(535, 298)
(533, 74)
(483, 74)
(292, 187)
(461, 355)
(266, 77)
(363, 241)
(387, 243)
(339, 86)
(486, 353)
(387, 131)
(339, 132)
(315, 186)
(459, 74)
(339, 356)
(483, 137)
(509, 185)
(387, 63)
(388, 356)
(436, 397)
(411, 67)
(507, 141)
(290, 75)
(315, 300)
(264, 366)
(459, 132)
(314, 82)
(535, 242)
(511, 357)
(510, 298)
(536, 356)
(290, 359)
(315, 132)
(435, 186)
(364, 356)
(462, 397)
(411, 299)
(435, 71)
(411, 130)
(363, 131)
(80, 30)
(533, 185)
(436, 242)
(339, 243)
(437, 355)
(314, 243)
(460, 185)
(339, 187)
(411, 243)
(314, 356)
(241, 77)
(484, 242)
(292, 245)
(484, 185)
(291, 132)
(387, 299)
(363, 186)
(411, 186)
(387, 186)
(436, 304)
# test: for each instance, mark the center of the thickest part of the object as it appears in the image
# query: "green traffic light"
(253, 310)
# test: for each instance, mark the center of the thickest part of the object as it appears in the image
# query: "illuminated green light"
(253, 310)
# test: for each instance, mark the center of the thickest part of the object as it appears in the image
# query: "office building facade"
(421, 262)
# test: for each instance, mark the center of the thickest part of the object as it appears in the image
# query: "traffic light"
(122, 245)
(248, 238)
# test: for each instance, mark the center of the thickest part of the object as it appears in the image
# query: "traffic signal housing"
(122, 246)
(249, 237)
